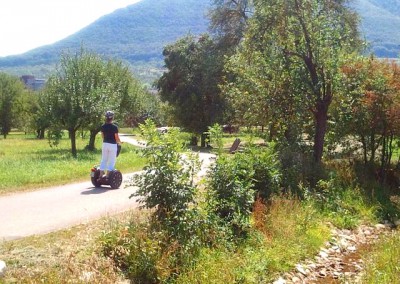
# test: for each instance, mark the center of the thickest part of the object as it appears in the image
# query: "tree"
(190, 84)
(258, 89)
(306, 39)
(112, 91)
(228, 21)
(41, 114)
(369, 108)
(11, 91)
(83, 87)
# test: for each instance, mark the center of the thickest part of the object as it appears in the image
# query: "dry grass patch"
(66, 256)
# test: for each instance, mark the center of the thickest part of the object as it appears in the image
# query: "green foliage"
(368, 109)
(190, 84)
(54, 136)
(292, 66)
(235, 181)
(134, 251)
(267, 170)
(167, 183)
(231, 191)
(228, 21)
(345, 207)
(286, 232)
(84, 87)
(11, 92)
(216, 135)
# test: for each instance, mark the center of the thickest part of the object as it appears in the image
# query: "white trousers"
(108, 156)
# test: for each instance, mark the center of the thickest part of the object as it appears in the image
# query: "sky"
(27, 24)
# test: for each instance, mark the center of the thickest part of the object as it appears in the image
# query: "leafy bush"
(236, 179)
(267, 171)
(231, 192)
(148, 252)
(297, 167)
(167, 183)
(177, 228)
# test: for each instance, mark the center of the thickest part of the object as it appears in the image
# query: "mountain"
(380, 24)
(137, 34)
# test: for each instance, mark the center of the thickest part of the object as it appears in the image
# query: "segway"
(114, 178)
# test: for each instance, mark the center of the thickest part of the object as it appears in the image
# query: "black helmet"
(109, 114)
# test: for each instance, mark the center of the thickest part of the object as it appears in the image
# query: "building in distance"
(33, 83)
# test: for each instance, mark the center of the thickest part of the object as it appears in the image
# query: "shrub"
(298, 167)
(167, 183)
(231, 192)
(235, 180)
(267, 171)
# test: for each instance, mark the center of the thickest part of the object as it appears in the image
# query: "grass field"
(27, 163)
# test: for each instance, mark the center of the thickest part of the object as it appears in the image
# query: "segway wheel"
(115, 179)
(94, 178)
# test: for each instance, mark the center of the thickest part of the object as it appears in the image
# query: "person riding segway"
(105, 174)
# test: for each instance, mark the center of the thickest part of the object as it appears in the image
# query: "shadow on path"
(96, 190)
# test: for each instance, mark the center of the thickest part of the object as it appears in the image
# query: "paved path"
(59, 207)
(43, 211)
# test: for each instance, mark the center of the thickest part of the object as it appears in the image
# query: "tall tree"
(190, 84)
(307, 38)
(11, 90)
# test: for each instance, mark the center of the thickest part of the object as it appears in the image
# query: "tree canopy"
(84, 87)
(11, 96)
(295, 48)
(190, 84)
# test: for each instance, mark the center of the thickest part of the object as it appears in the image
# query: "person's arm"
(117, 138)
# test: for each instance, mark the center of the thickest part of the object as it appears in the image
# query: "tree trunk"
(92, 139)
(373, 149)
(40, 133)
(321, 122)
(365, 149)
(72, 136)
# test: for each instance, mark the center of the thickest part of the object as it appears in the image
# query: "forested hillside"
(138, 33)
(380, 24)
(135, 34)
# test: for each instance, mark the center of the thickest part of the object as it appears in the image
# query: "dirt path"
(43, 211)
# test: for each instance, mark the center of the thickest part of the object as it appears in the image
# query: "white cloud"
(26, 24)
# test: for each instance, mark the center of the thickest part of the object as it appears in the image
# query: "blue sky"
(27, 24)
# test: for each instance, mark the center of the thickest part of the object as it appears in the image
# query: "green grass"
(245, 138)
(27, 163)
(289, 232)
(383, 261)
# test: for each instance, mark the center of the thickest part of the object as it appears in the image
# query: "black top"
(109, 131)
